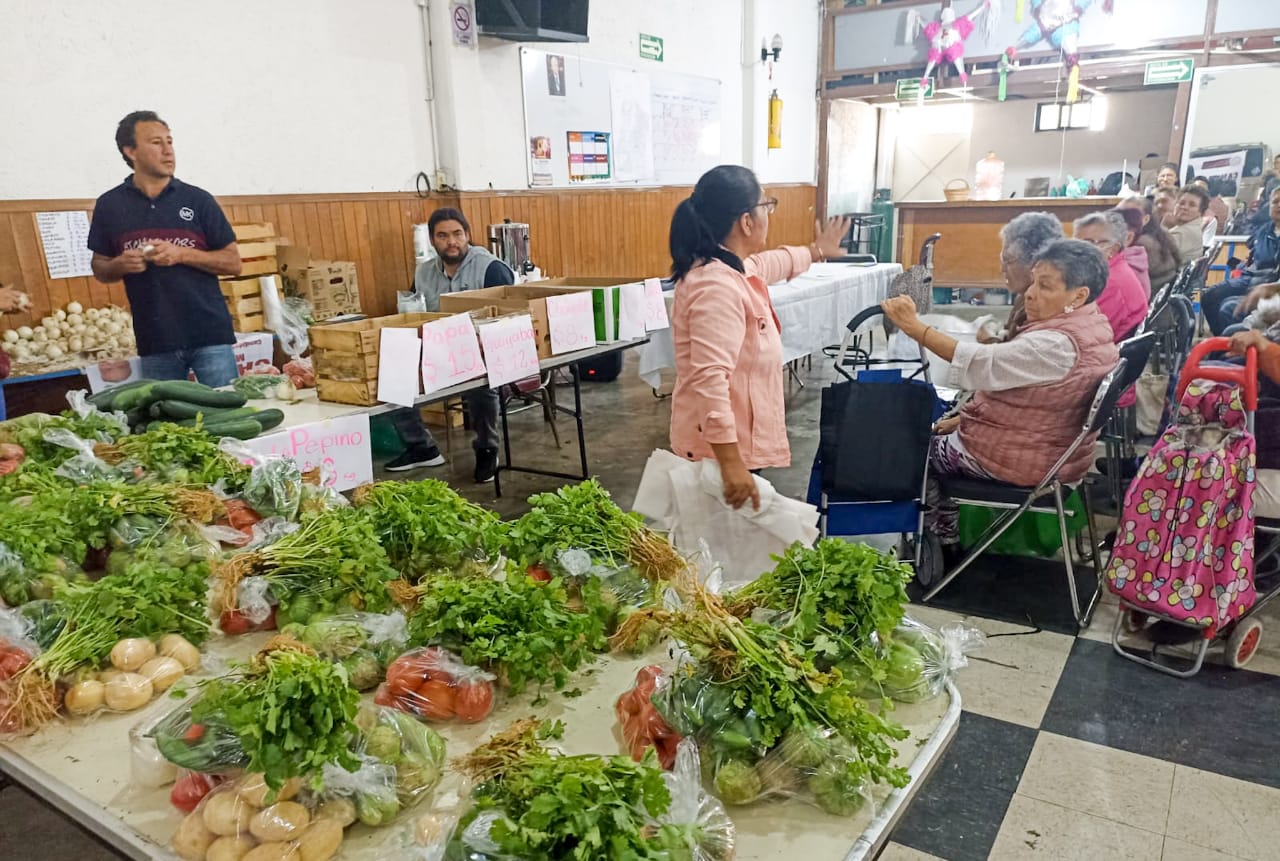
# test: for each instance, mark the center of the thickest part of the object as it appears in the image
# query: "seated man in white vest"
(458, 266)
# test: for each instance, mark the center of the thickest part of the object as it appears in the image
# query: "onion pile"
(69, 332)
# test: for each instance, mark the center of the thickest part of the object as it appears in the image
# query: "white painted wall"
(1227, 110)
(852, 133)
(480, 98)
(941, 142)
(286, 96)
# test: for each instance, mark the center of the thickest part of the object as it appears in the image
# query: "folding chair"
(1118, 438)
(1045, 498)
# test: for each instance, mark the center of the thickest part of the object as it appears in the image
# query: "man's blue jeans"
(214, 366)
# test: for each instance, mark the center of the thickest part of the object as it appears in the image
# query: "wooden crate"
(257, 246)
(364, 394)
(436, 416)
(244, 300)
(251, 232)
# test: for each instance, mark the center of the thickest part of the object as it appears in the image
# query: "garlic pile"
(69, 331)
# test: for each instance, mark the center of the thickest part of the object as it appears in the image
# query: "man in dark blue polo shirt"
(169, 241)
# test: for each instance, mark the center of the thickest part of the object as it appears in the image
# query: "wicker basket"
(955, 193)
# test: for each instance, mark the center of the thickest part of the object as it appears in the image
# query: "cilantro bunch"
(524, 630)
(575, 517)
(426, 526)
(292, 712)
(178, 454)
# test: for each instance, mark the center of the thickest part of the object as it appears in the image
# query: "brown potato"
(192, 839)
(226, 814)
(273, 852)
(321, 841)
(282, 821)
(230, 848)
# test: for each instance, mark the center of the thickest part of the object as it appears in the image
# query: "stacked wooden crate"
(345, 356)
(243, 294)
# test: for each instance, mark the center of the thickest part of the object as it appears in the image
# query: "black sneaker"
(415, 458)
(486, 465)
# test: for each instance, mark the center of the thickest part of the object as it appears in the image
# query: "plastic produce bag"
(923, 660)
(140, 671)
(435, 684)
(209, 748)
(363, 643)
(692, 808)
(84, 467)
(78, 401)
(401, 762)
(255, 609)
(274, 488)
(642, 726)
(410, 302)
(245, 819)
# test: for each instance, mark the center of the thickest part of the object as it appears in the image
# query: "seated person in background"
(1163, 202)
(1221, 302)
(1124, 301)
(1162, 254)
(1134, 253)
(1186, 223)
(1261, 309)
(1033, 391)
(1266, 493)
(1217, 206)
(1259, 216)
(1166, 179)
(1021, 240)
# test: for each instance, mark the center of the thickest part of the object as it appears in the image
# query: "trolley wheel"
(932, 566)
(1242, 644)
(1135, 621)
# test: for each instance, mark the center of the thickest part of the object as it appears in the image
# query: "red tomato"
(403, 685)
(194, 733)
(434, 700)
(383, 697)
(234, 623)
(538, 573)
(473, 701)
(189, 790)
(11, 662)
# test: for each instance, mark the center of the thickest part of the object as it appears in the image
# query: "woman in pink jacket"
(728, 401)
(1124, 300)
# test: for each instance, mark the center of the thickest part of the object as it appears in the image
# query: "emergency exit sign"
(650, 47)
(1169, 71)
(908, 89)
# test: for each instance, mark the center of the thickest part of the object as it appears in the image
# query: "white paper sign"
(510, 349)
(112, 373)
(631, 313)
(254, 351)
(399, 356)
(65, 237)
(339, 447)
(450, 353)
(655, 306)
(571, 318)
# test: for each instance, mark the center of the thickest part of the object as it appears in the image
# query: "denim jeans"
(214, 366)
(482, 408)
(1220, 301)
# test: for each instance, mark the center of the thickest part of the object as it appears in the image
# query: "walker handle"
(1246, 377)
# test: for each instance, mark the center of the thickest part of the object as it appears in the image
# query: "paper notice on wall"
(632, 315)
(65, 238)
(450, 353)
(339, 448)
(590, 156)
(655, 306)
(571, 320)
(631, 104)
(1223, 171)
(510, 349)
(399, 356)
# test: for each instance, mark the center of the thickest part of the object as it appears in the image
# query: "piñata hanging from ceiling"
(947, 36)
(1058, 23)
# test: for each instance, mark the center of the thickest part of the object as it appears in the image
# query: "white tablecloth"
(813, 310)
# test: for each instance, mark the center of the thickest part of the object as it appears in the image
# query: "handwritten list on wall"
(64, 236)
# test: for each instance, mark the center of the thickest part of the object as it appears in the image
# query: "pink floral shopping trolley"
(1184, 549)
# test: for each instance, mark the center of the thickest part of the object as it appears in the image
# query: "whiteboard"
(589, 122)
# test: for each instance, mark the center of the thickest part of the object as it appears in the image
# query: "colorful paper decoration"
(948, 34)
(1058, 23)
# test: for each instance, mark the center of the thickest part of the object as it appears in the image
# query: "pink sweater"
(1124, 300)
(729, 360)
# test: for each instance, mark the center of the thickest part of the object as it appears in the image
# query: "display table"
(33, 378)
(82, 769)
(812, 310)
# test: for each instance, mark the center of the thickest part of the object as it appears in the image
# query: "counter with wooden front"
(968, 255)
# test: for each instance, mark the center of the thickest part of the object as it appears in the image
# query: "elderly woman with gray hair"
(1124, 301)
(1032, 391)
(1020, 241)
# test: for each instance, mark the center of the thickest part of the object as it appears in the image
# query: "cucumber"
(212, 417)
(186, 410)
(104, 400)
(245, 428)
(194, 393)
(268, 418)
(131, 399)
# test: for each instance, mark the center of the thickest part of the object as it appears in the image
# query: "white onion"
(74, 308)
(75, 319)
(11, 337)
(24, 331)
(75, 345)
(92, 314)
(112, 328)
(59, 315)
(53, 351)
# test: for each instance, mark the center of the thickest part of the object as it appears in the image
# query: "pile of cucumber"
(220, 413)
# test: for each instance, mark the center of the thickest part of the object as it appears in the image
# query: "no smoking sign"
(463, 23)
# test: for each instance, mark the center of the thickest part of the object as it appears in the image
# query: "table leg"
(576, 413)
(506, 447)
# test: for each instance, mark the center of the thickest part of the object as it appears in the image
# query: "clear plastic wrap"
(401, 762)
(140, 671)
(255, 608)
(274, 488)
(363, 643)
(84, 466)
(78, 401)
(301, 372)
(209, 748)
(434, 684)
(243, 821)
(410, 302)
(642, 726)
(919, 661)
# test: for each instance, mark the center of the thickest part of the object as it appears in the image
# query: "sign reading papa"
(339, 447)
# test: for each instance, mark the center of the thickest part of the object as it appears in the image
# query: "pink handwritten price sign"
(510, 348)
(571, 318)
(339, 447)
(655, 306)
(450, 353)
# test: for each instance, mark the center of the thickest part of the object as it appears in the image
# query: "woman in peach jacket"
(728, 401)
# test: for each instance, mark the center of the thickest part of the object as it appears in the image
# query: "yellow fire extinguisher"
(775, 121)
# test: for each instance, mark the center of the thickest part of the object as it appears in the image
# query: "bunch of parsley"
(426, 526)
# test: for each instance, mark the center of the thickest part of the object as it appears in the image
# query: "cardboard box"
(331, 286)
(345, 355)
(528, 299)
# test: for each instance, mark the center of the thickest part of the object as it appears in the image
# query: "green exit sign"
(1169, 71)
(908, 89)
(650, 47)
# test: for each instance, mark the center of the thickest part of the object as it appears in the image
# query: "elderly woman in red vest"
(1033, 391)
